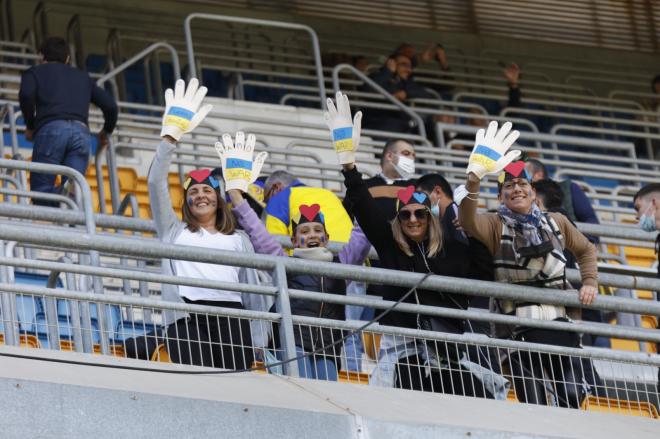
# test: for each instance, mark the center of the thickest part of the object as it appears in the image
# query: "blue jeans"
(316, 367)
(60, 142)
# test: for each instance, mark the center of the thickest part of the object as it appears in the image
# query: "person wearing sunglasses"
(527, 249)
(412, 241)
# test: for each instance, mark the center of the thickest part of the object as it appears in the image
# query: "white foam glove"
(345, 133)
(488, 155)
(239, 168)
(182, 112)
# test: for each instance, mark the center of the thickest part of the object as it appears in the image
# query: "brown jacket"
(487, 228)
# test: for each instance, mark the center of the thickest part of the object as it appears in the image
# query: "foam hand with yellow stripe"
(489, 155)
(345, 132)
(239, 168)
(182, 112)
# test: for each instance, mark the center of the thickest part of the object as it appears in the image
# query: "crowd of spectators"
(422, 226)
(415, 225)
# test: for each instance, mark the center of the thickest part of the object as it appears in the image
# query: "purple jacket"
(354, 252)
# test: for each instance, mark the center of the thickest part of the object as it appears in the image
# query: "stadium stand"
(87, 278)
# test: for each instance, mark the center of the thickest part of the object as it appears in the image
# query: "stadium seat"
(161, 354)
(621, 407)
(371, 342)
(349, 376)
(25, 340)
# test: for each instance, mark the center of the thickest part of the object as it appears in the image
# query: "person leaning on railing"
(527, 248)
(310, 239)
(412, 241)
(199, 339)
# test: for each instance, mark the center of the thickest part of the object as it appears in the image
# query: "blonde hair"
(433, 232)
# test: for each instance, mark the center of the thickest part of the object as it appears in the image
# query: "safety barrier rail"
(251, 21)
(465, 364)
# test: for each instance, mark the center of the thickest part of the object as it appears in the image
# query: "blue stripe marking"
(342, 133)
(486, 151)
(181, 112)
(238, 163)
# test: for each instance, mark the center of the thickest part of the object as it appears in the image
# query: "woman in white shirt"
(208, 222)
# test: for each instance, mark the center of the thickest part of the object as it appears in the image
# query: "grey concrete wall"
(40, 398)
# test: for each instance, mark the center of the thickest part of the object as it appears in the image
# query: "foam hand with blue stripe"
(239, 168)
(345, 132)
(489, 155)
(182, 112)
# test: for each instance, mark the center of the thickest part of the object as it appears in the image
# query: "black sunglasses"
(405, 215)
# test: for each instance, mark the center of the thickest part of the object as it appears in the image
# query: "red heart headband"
(200, 176)
(310, 212)
(513, 170)
(408, 195)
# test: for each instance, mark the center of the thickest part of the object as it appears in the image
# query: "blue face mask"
(435, 210)
(647, 222)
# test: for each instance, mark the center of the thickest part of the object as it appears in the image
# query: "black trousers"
(455, 380)
(564, 375)
(211, 341)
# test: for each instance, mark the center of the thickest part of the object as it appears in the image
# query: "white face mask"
(405, 167)
(647, 221)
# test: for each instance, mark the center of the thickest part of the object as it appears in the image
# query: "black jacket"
(311, 338)
(56, 91)
(450, 261)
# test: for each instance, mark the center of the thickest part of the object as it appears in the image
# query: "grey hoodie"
(168, 229)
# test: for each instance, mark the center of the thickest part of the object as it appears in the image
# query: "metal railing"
(389, 363)
(83, 194)
(147, 51)
(251, 21)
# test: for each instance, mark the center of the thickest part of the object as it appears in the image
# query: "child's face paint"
(310, 235)
(190, 201)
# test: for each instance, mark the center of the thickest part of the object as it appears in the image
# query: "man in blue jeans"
(54, 98)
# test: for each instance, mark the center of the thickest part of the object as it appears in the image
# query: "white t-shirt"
(201, 270)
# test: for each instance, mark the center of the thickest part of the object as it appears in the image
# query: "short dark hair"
(648, 189)
(428, 182)
(537, 166)
(390, 146)
(550, 192)
(655, 81)
(55, 49)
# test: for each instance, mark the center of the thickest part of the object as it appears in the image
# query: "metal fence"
(469, 364)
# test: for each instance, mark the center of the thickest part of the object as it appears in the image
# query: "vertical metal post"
(12, 129)
(74, 308)
(52, 323)
(286, 323)
(113, 178)
(99, 179)
(8, 303)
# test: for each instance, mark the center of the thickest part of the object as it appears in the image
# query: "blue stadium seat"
(64, 329)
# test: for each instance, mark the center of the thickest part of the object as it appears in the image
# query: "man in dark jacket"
(54, 98)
